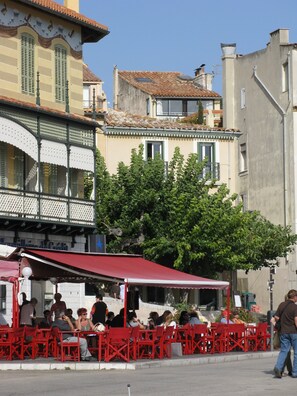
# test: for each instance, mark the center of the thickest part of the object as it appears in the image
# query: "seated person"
(109, 319)
(224, 317)
(194, 318)
(63, 323)
(69, 313)
(152, 320)
(184, 318)
(118, 320)
(132, 321)
(169, 321)
(161, 319)
(46, 321)
(83, 323)
(236, 319)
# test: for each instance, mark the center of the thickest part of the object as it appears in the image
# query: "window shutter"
(3, 162)
(27, 64)
(60, 72)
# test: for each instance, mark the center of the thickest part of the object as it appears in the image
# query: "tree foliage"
(179, 218)
(200, 119)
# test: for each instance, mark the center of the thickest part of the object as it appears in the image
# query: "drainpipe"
(283, 114)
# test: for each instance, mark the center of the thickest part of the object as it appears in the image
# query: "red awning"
(9, 270)
(129, 268)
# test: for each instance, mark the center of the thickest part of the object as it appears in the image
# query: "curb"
(93, 366)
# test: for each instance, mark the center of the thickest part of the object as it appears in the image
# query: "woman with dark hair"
(161, 319)
(152, 320)
(184, 318)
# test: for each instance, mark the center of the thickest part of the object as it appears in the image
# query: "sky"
(180, 35)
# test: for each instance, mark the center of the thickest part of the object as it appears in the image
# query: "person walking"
(286, 313)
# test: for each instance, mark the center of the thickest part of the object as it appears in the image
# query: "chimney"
(200, 70)
(228, 62)
(72, 4)
(202, 79)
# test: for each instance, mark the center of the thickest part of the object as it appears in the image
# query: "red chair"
(168, 339)
(30, 347)
(184, 337)
(6, 343)
(118, 344)
(236, 338)
(251, 338)
(96, 342)
(66, 350)
(12, 343)
(219, 337)
(199, 339)
(263, 337)
(150, 343)
(43, 342)
(135, 331)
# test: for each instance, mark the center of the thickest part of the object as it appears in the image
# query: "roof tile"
(166, 84)
(116, 118)
(44, 109)
(66, 12)
(89, 76)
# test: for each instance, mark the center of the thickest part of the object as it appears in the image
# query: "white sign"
(237, 301)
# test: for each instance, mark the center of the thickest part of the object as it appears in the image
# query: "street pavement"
(250, 377)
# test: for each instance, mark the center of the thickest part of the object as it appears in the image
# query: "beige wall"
(271, 142)
(10, 63)
(118, 148)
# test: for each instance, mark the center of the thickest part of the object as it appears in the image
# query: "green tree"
(200, 119)
(179, 218)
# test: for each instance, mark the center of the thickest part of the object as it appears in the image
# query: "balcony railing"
(212, 170)
(43, 207)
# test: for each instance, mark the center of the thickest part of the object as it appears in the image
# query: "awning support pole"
(125, 303)
(228, 304)
(15, 304)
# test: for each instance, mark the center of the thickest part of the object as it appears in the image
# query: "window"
(243, 158)
(285, 78)
(244, 200)
(53, 179)
(27, 64)
(154, 149)
(86, 96)
(206, 151)
(148, 106)
(242, 98)
(76, 183)
(11, 167)
(60, 73)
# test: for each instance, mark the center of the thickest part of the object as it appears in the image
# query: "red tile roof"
(46, 110)
(166, 84)
(66, 13)
(116, 118)
(89, 76)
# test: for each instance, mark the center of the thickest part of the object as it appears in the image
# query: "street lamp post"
(270, 288)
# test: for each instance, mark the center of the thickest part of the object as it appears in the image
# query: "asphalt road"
(248, 377)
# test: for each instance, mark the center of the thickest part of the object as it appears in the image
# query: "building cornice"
(170, 133)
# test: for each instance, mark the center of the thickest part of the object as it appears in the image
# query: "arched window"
(27, 64)
(60, 72)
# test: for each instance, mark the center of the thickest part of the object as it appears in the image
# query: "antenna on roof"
(216, 70)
